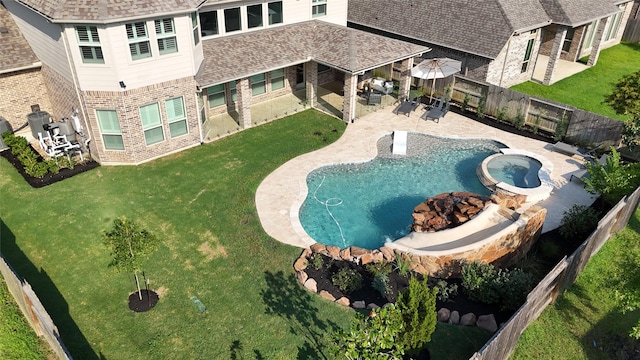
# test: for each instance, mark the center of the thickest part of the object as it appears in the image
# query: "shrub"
(53, 166)
(578, 221)
(519, 120)
(445, 291)
(381, 283)
(317, 261)
(502, 114)
(482, 282)
(513, 287)
(549, 249)
(477, 281)
(417, 305)
(347, 280)
(530, 264)
(482, 103)
(561, 127)
(402, 265)
(380, 268)
(465, 102)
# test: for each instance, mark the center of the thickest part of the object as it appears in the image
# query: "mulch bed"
(49, 178)
(149, 300)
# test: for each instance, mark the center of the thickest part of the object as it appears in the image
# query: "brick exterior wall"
(27, 88)
(509, 73)
(127, 104)
(62, 94)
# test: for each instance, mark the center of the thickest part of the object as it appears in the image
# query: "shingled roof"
(105, 11)
(233, 57)
(15, 52)
(476, 27)
(578, 12)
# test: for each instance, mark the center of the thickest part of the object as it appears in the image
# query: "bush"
(578, 222)
(477, 282)
(347, 280)
(465, 102)
(482, 282)
(317, 261)
(402, 265)
(417, 305)
(380, 268)
(512, 288)
(482, 103)
(445, 291)
(381, 283)
(519, 120)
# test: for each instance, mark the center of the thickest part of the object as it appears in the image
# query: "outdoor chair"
(49, 147)
(407, 106)
(571, 150)
(439, 110)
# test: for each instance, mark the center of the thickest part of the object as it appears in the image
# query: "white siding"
(119, 66)
(44, 38)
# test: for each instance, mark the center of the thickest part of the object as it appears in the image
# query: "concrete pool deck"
(281, 193)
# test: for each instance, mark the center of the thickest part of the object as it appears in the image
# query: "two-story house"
(144, 75)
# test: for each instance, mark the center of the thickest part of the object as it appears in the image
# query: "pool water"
(367, 204)
(517, 170)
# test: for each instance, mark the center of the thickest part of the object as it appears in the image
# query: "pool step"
(399, 142)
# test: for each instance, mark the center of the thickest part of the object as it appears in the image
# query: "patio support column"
(243, 92)
(554, 56)
(405, 77)
(597, 42)
(350, 101)
(311, 76)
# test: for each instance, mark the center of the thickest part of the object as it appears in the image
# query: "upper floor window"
(274, 10)
(209, 23)
(165, 32)
(254, 16)
(232, 20)
(319, 8)
(138, 40)
(196, 30)
(89, 41)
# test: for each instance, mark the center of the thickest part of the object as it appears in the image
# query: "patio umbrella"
(436, 68)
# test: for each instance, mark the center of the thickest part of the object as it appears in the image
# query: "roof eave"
(35, 65)
(532, 27)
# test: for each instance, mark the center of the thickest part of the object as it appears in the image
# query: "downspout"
(198, 117)
(504, 63)
(85, 115)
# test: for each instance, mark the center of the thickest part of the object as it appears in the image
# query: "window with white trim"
(254, 16)
(318, 8)
(151, 123)
(110, 129)
(277, 79)
(215, 95)
(139, 45)
(274, 10)
(258, 84)
(89, 41)
(196, 28)
(176, 116)
(232, 20)
(232, 90)
(209, 23)
(591, 31)
(166, 36)
(527, 55)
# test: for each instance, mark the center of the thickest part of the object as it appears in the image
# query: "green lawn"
(586, 90)
(200, 203)
(585, 322)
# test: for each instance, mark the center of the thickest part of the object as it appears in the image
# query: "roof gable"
(578, 12)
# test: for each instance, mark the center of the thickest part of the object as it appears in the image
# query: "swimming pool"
(367, 204)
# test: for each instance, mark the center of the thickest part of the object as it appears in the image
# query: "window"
(591, 30)
(258, 84)
(196, 30)
(232, 90)
(323, 68)
(176, 116)
(568, 38)
(138, 40)
(527, 55)
(89, 44)
(165, 31)
(614, 24)
(209, 23)
(215, 95)
(110, 129)
(254, 16)
(277, 79)
(319, 8)
(151, 123)
(275, 12)
(232, 20)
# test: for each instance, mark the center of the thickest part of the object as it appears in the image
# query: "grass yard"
(586, 90)
(200, 203)
(585, 322)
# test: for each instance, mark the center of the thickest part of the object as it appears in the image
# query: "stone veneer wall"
(127, 104)
(501, 252)
(28, 89)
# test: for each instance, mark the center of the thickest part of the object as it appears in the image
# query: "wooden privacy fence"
(33, 310)
(583, 127)
(632, 31)
(559, 278)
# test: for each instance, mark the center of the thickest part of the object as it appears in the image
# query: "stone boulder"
(454, 318)
(444, 314)
(343, 301)
(468, 319)
(487, 322)
(447, 210)
(359, 304)
(327, 295)
(311, 285)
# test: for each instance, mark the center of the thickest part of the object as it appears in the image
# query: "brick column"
(350, 100)
(597, 41)
(243, 92)
(405, 77)
(311, 77)
(554, 56)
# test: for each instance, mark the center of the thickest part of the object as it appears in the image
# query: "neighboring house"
(499, 41)
(21, 80)
(144, 75)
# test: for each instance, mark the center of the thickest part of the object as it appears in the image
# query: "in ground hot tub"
(517, 172)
